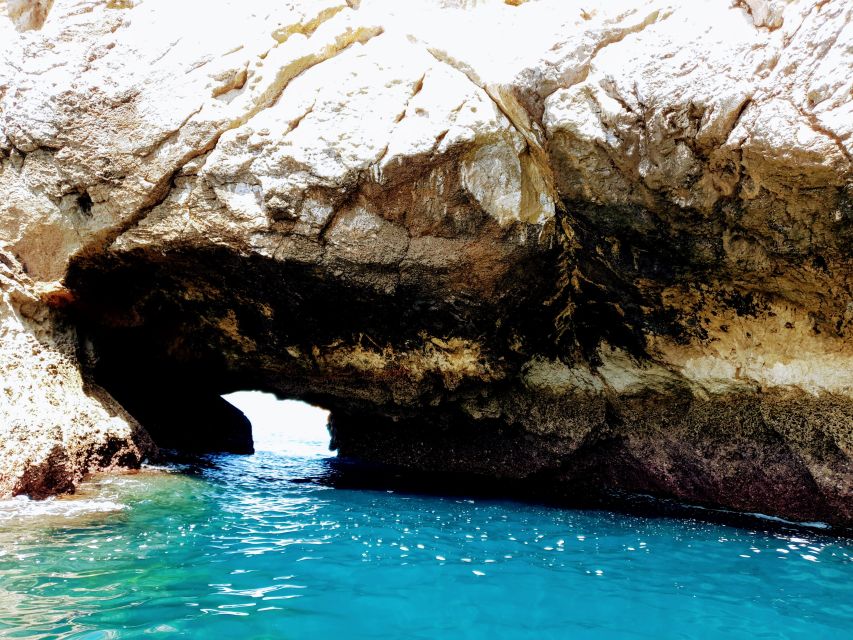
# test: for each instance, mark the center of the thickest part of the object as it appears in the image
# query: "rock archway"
(616, 255)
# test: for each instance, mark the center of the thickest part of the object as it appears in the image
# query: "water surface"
(238, 549)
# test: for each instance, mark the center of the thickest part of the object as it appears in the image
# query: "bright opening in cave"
(283, 425)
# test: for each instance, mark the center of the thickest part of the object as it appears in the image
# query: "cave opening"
(283, 425)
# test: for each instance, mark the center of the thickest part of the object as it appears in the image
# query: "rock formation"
(595, 246)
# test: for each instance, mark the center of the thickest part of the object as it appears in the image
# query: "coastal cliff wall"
(602, 248)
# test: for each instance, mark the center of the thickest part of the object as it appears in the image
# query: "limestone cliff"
(599, 246)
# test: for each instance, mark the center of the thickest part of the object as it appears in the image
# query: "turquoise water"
(240, 550)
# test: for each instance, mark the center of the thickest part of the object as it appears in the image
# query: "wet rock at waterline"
(613, 250)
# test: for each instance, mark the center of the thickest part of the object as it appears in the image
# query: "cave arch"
(423, 375)
(282, 425)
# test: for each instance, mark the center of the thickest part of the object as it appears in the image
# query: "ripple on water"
(240, 549)
(20, 509)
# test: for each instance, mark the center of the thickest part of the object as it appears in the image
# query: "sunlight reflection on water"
(243, 546)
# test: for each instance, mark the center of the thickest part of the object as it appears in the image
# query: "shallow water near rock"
(246, 548)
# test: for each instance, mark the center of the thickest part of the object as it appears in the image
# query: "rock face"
(603, 248)
(56, 425)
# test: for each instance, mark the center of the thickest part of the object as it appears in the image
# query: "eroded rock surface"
(601, 248)
(56, 426)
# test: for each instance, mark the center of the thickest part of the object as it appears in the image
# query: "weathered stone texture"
(605, 247)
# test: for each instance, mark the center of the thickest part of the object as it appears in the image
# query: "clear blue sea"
(251, 547)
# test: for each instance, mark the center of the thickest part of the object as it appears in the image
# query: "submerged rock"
(603, 248)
